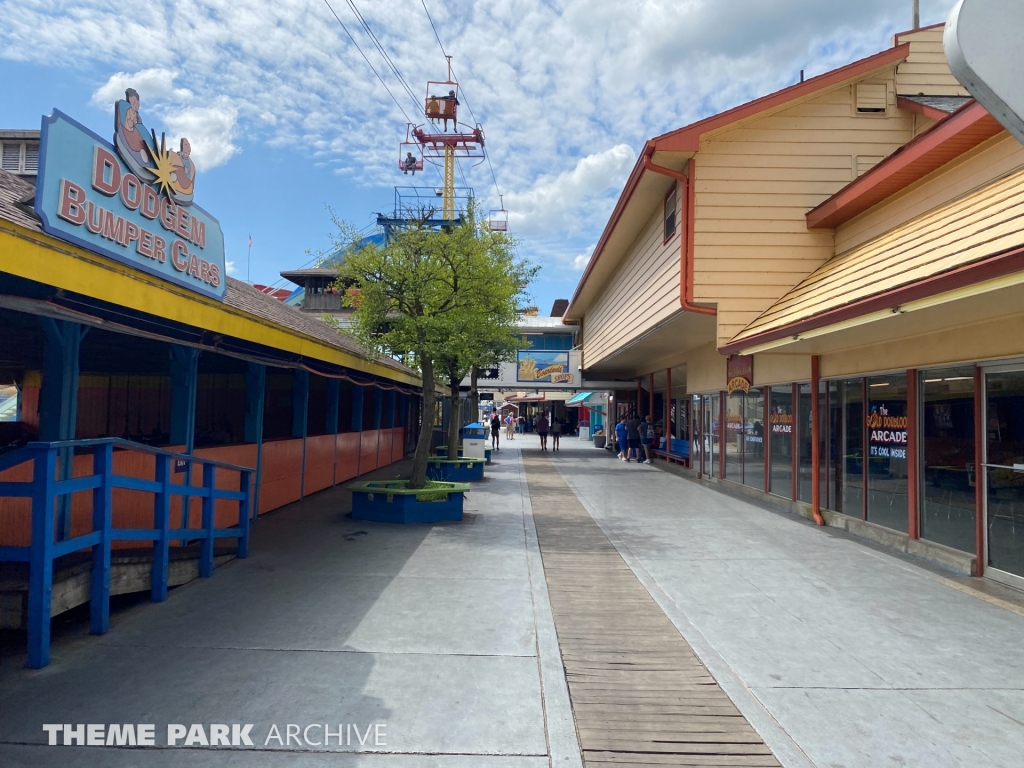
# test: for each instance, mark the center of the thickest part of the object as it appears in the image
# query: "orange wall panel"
(281, 474)
(384, 448)
(319, 462)
(368, 450)
(348, 456)
(398, 444)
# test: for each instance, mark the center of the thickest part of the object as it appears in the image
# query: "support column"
(721, 435)
(378, 407)
(184, 382)
(639, 396)
(794, 442)
(650, 396)
(255, 400)
(58, 400)
(300, 418)
(358, 393)
(979, 472)
(816, 442)
(333, 406)
(912, 449)
(668, 412)
(331, 427)
(389, 410)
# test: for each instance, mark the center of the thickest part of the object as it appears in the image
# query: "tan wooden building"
(856, 241)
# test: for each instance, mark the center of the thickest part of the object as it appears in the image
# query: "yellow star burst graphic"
(162, 168)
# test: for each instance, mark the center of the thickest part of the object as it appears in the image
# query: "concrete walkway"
(441, 633)
(839, 654)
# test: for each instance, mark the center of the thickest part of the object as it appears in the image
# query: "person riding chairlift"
(409, 164)
(455, 102)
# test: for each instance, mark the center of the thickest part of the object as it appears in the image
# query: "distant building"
(19, 153)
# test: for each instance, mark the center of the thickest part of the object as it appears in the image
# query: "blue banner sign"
(139, 213)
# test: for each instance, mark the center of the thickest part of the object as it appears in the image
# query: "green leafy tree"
(442, 301)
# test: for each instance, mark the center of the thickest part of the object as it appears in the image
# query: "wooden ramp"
(640, 696)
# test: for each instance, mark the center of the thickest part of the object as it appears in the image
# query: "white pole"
(916, 13)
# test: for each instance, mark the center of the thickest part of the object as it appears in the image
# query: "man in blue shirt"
(620, 436)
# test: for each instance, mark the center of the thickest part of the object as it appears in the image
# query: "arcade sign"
(739, 373)
(130, 201)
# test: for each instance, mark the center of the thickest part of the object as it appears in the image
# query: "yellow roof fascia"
(50, 261)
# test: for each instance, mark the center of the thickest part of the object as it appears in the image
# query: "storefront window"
(846, 428)
(753, 454)
(1004, 430)
(887, 451)
(804, 446)
(734, 437)
(780, 441)
(947, 457)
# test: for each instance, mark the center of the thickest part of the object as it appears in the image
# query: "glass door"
(1004, 474)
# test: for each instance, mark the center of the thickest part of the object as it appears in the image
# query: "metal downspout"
(685, 236)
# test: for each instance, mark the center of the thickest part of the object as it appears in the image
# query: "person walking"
(647, 432)
(620, 438)
(556, 432)
(510, 423)
(521, 424)
(495, 430)
(542, 430)
(633, 437)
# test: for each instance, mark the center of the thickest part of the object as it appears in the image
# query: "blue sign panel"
(139, 214)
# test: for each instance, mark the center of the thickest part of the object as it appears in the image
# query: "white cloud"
(557, 201)
(581, 261)
(209, 130)
(156, 84)
(563, 88)
(230, 267)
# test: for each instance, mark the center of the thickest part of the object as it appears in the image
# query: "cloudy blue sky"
(286, 117)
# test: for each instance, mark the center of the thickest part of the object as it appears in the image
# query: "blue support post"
(331, 427)
(378, 406)
(59, 399)
(102, 500)
(255, 400)
(40, 574)
(389, 410)
(162, 524)
(209, 506)
(333, 405)
(184, 383)
(401, 409)
(244, 485)
(358, 393)
(300, 417)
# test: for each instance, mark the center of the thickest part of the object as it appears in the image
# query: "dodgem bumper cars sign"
(131, 200)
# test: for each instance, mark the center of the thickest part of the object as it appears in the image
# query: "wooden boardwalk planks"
(640, 697)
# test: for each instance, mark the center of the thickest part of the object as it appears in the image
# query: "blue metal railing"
(45, 489)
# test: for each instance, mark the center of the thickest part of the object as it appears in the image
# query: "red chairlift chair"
(407, 164)
(442, 102)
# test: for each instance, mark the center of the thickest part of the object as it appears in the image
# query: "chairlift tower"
(436, 145)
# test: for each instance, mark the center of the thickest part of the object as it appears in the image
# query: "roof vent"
(871, 98)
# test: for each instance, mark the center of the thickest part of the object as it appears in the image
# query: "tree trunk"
(454, 417)
(423, 445)
(474, 394)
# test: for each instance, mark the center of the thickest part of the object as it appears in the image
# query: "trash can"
(474, 441)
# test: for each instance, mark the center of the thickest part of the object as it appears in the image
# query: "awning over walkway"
(579, 398)
(970, 240)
